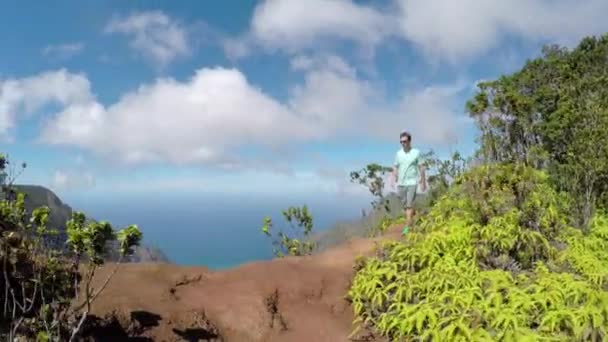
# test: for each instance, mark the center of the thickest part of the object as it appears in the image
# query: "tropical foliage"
(44, 296)
(514, 247)
(553, 115)
(495, 259)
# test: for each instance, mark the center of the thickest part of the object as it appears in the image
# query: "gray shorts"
(407, 195)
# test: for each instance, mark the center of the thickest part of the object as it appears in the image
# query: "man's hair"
(406, 134)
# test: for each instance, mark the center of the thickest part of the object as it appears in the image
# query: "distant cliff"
(36, 196)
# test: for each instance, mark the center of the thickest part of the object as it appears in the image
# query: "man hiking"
(408, 172)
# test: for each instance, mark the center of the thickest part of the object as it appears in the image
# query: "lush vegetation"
(514, 245)
(46, 290)
(494, 259)
(553, 115)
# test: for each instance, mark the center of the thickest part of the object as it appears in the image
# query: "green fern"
(492, 261)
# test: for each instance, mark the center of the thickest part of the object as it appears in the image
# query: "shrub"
(493, 260)
(372, 177)
(41, 284)
(301, 243)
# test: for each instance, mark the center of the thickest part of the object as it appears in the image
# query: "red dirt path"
(288, 299)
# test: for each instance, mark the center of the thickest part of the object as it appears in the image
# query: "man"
(408, 172)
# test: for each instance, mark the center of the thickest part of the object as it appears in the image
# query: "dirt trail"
(288, 299)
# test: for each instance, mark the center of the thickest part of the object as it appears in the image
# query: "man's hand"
(393, 178)
(423, 186)
(422, 178)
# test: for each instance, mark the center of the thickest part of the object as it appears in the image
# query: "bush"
(495, 259)
(41, 283)
(302, 242)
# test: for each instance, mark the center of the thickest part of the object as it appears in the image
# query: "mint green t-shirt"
(407, 166)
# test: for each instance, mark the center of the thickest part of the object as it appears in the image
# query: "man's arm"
(394, 175)
(395, 171)
(422, 170)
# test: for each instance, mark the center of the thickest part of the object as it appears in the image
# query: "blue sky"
(270, 97)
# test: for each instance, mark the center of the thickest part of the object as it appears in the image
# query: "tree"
(553, 115)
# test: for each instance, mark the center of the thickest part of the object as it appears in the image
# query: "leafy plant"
(8, 174)
(495, 259)
(42, 286)
(302, 243)
(372, 177)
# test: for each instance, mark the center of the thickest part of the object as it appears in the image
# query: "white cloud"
(218, 117)
(67, 180)
(159, 38)
(443, 29)
(431, 113)
(457, 30)
(27, 95)
(297, 25)
(200, 121)
(63, 51)
(331, 62)
(332, 95)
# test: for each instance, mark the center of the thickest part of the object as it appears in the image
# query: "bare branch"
(79, 326)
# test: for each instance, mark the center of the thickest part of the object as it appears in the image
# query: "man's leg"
(409, 216)
(402, 195)
(410, 196)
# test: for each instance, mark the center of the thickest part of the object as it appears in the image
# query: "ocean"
(215, 231)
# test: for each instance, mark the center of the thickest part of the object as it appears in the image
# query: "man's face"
(405, 142)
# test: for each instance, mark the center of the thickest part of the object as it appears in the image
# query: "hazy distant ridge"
(37, 196)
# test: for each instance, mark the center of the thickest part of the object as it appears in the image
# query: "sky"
(115, 98)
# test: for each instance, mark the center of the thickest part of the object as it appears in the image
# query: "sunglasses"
(403, 141)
